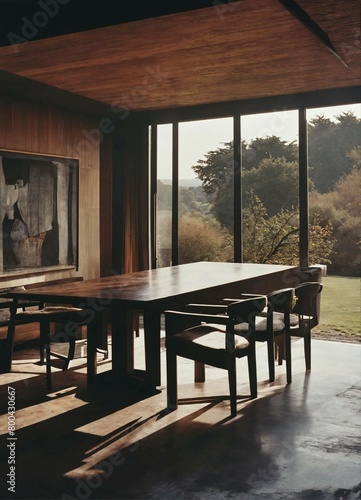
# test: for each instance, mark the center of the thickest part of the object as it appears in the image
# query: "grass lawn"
(341, 305)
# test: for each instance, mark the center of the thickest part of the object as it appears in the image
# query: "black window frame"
(236, 109)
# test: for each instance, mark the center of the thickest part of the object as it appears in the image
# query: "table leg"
(6, 345)
(6, 350)
(152, 346)
(122, 341)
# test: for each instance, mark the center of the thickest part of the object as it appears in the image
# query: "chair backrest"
(245, 311)
(308, 302)
(280, 301)
(6, 303)
(307, 274)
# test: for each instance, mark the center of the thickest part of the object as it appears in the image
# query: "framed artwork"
(39, 211)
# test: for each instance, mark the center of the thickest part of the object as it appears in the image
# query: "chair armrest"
(237, 312)
(242, 297)
(207, 308)
(178, 321)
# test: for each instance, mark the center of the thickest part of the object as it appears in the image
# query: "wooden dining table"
(152, 292)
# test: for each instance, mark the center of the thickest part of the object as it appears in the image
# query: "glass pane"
(334, 157)
(164, 196)
(206, 190)
(270, 188)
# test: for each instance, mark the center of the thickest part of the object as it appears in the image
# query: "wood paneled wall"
(37, 128)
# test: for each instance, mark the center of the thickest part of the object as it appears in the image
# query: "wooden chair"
(23, 312)
(211, 339)
(271, 323)
(6, 344)
(68, 316)
(307, 310)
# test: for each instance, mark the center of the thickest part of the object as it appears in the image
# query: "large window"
(270, 187)
(205, 192)
(334, 157)
(164, 196)
(274, 187)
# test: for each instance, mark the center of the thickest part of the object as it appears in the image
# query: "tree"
(355, 156)
(342, 209)
(264, 159)
(218, 166)
(275, 182)
(261, 148)
(275, 239)
(329, 144)
(203, 239)
(216, 169)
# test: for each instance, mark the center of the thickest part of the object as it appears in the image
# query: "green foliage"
(347, 192)
(218, 166)
(355, 156)
(216, 169)
(329, 144)
(261, 148)
(222, 205)
(275, 239)
(321, 240)
(216, 172)
(342, 209)
(191, 197)
(266, 238)
(275, 182)
(203, 240)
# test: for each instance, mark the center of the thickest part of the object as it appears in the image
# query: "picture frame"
(39, 211)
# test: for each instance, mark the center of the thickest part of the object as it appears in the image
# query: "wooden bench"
(24, 332)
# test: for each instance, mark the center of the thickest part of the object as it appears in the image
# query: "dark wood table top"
(156, 285)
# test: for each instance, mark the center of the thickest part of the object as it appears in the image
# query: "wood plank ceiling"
(232, 51)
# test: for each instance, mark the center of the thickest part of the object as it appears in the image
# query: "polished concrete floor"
(300, 441)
